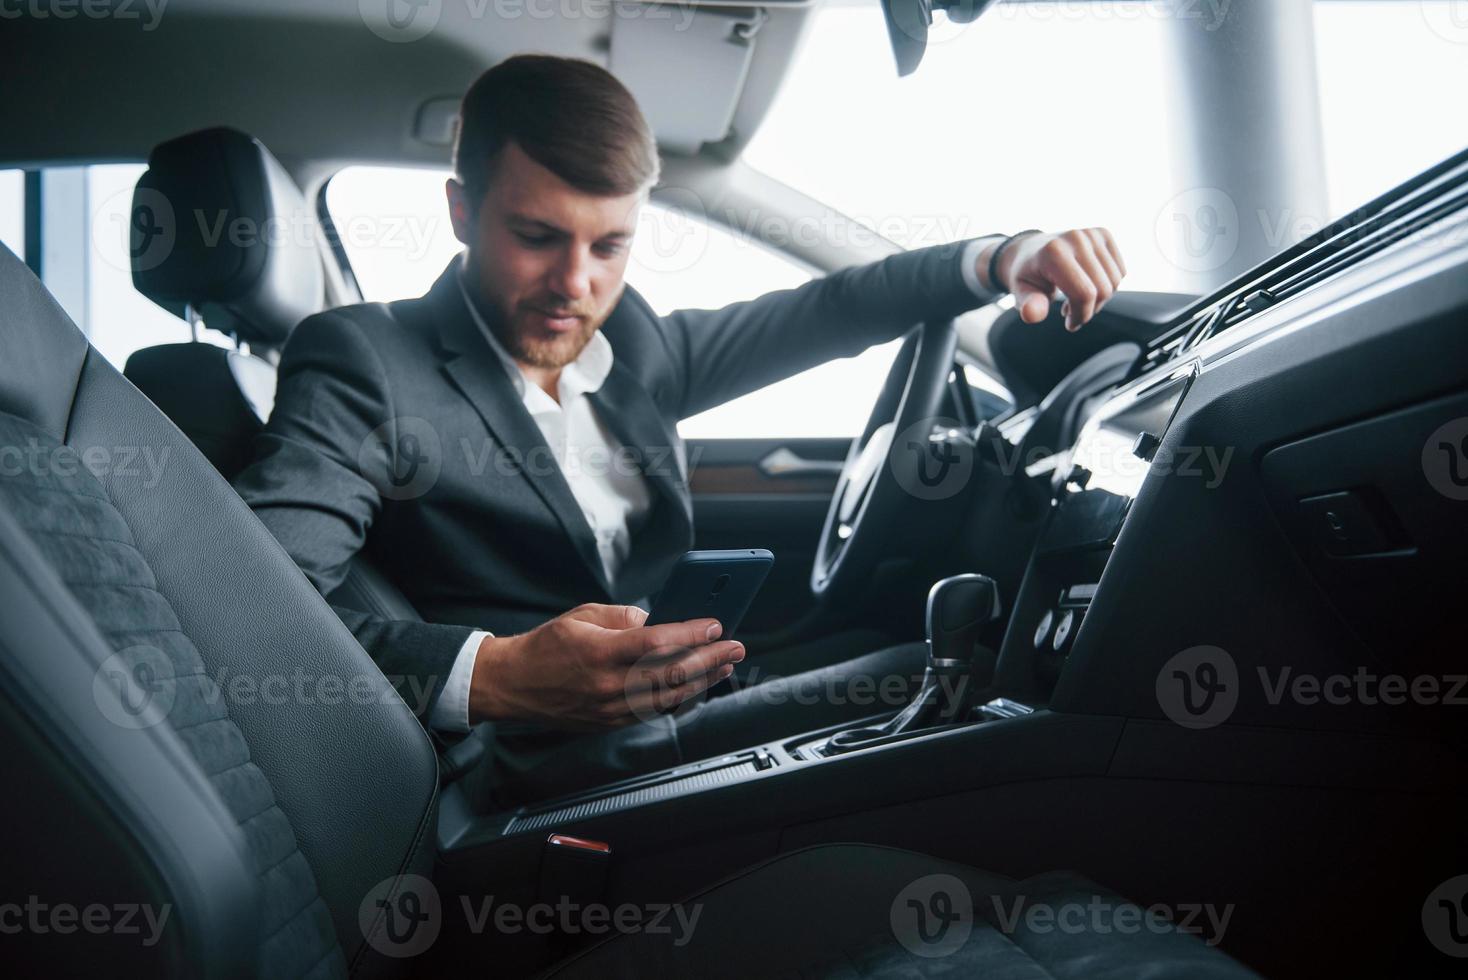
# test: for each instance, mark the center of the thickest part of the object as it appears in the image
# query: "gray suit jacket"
(397, 431)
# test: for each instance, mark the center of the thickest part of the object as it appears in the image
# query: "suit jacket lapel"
(477, 372)
(627, 409)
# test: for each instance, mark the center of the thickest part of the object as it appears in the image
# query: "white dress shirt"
(614, 497)
(613, 494)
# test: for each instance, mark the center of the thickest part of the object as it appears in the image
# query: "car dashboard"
(1228, 512)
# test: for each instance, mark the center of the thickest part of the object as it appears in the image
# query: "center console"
(992, 776)
(1094, 484)
(890, 758)
(896, 757)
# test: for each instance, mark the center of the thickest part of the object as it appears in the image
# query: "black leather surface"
(193, 383)
(354, 773)
(846, 910)
(39, 368)
(101, 813)
(82, 538)
(217, 223)
(193, 386)
(367, 590)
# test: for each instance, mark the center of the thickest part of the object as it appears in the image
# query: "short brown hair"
(572, 117)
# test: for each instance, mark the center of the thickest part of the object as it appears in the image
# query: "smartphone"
(712, 585)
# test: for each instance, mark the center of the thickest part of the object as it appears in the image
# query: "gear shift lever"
(958, 609)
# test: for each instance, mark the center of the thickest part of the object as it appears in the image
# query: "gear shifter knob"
(958, 610)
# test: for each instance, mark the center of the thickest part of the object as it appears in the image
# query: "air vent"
(1385, 221)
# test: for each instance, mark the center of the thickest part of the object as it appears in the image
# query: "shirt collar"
(584, 375)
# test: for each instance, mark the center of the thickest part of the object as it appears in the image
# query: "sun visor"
(686, 65)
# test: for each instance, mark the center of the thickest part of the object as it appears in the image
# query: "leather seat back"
(220, 227)
(219, 398)
(280, 779)
(218, 224)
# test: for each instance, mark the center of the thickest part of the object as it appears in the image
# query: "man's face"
(546, 260)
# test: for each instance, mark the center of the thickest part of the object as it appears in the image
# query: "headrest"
(217, 223)
(41, 350)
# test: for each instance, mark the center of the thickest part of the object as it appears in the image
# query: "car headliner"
(308, 77)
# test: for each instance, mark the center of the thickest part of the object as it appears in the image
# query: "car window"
(957, 154)
(83, 256)
(948, 153)
(12, 210)
(394, 227)
(1389, 114)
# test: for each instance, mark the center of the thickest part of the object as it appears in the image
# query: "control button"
(1042, 632)
(1063, 630)
(1343, 525)
(1080, 593)
(1146, 446)
(762, 760)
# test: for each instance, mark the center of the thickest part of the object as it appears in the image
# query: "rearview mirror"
(908, 22)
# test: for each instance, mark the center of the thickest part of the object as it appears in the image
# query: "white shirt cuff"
(450, 712)
(971, 267)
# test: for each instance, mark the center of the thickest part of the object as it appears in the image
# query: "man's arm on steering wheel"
(729, 352)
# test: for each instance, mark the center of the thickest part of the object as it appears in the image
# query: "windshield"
(965, 147)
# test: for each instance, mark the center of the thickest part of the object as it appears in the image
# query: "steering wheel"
(888, 465)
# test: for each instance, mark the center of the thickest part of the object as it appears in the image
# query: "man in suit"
(506, 446)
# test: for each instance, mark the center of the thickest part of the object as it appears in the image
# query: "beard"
(521, 334)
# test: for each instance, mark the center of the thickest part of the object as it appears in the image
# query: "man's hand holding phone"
(598, 667)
